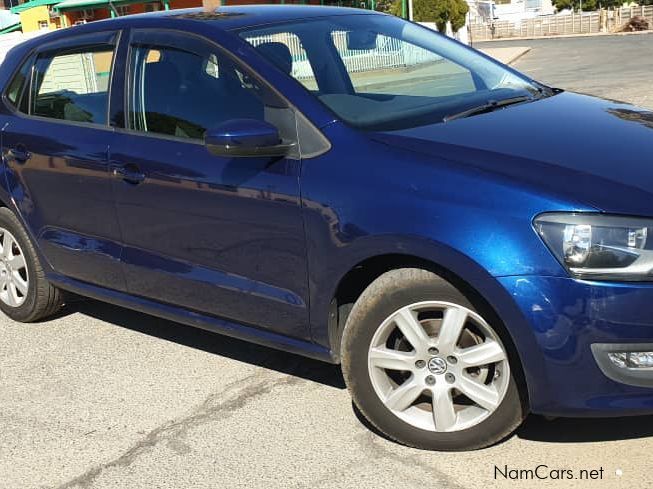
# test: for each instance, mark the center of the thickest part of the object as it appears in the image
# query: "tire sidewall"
(9, 221)
(366, 317)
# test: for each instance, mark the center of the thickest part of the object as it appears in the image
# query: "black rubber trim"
(639, 377)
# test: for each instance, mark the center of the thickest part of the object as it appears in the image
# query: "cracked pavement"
(102, 397)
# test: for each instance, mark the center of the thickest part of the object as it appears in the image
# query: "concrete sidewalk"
(506, 55)
(564, 36)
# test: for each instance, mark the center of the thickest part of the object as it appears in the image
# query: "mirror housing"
(361, 40)
(246, 138)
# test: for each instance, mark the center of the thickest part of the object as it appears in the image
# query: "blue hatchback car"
(471, 245)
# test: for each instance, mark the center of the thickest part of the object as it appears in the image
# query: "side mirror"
(246, 138)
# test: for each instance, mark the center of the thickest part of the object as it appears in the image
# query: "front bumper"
(569, 319)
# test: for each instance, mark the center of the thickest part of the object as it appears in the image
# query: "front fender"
(364, 200)
(465, 269)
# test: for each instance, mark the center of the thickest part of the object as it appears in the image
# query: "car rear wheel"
(425, 368)
(25, 294)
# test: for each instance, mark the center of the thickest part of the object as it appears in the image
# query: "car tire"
(38, 297)
(372, 340)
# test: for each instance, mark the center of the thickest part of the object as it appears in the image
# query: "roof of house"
(11, 28)
(32, 4)
(72, 4)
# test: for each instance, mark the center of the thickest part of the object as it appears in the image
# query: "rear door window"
(73, 85)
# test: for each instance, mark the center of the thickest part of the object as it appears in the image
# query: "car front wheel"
(425, 368)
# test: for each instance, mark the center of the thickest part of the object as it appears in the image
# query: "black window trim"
(110, 37)
(26, 61)
(305, 122)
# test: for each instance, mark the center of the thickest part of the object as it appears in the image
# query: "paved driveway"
(101, 397)
(616, 67)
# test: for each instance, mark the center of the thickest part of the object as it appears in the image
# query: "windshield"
(378, 72)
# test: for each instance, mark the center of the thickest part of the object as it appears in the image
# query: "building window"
(44, 25)
(87, 14)
(153, 7)
(123, 10)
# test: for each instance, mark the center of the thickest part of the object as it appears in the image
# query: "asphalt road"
(614, 67)
(102, 397)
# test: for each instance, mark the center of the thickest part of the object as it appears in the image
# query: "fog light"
(638, 359)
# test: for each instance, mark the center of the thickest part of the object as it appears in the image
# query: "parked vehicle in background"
(347, 186)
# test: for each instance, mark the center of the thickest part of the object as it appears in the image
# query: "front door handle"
(20, 154)
(129, 173)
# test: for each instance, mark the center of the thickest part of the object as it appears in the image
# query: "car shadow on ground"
(585, 430)
(217, 344)
(535, 428)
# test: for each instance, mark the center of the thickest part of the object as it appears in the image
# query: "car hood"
(591, 151)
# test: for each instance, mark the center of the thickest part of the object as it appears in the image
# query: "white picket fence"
(561, 24)
(389, 53)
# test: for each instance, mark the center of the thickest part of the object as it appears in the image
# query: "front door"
(56, 145)
(217, 235)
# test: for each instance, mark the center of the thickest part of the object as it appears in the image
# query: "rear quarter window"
(17, 90)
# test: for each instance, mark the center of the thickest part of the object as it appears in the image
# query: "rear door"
(56, 146)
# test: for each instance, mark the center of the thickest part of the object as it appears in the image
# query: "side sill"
(208, 323)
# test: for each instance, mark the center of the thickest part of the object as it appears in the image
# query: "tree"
(389, 7)
(441, 12)
(438, 11)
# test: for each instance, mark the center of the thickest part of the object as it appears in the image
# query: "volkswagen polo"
(469, 244)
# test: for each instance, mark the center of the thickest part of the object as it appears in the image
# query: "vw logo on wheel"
(437, 365)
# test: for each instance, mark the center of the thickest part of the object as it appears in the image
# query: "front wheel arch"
(483, 290)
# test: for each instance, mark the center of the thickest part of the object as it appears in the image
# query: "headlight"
(600, 247)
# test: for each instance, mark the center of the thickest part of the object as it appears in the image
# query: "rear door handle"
(129, 173)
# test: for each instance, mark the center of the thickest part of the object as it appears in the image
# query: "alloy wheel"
(438, 366)
(14, 277)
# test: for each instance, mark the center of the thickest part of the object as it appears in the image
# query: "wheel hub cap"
(437, 365)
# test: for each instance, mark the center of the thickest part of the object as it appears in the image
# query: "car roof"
(240, 16)
(224, 18)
